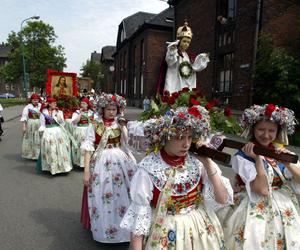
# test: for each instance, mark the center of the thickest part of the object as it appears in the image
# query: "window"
(225, 73)
(125, 87)
(226, 38)
(121, 90)
(134, 84)
(228, 8)
(142, 83)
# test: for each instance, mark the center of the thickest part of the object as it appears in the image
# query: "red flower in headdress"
(86, 100)
(269, 109)
(114, 98)
(35, 96)
(195, 112)
(181, 115)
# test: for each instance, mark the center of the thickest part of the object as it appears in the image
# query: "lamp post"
(25, 78)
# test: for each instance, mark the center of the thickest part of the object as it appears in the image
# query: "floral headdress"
(284, 117)
(110, 99)
(176, 122)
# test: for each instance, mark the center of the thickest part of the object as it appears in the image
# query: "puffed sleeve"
(60, 117)
(171, 56)
(246, 169)
(74, 117)
(200, 62)
(24, 117)
(88, 143)
(138, 216)
(208, 190)
(292, 182)
(42, 123)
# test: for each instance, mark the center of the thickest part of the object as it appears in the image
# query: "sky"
(82, 26)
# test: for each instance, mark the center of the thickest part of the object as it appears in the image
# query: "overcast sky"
(82, 26)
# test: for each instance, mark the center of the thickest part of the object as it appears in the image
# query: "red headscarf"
(50, 99)
(35, 96)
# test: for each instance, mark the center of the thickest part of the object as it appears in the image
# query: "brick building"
(7, 86)
(107, 61)
(141, 45)
(228, 30)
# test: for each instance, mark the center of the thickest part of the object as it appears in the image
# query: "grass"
(12, 102)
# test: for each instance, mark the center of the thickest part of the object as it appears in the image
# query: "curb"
(13, 118)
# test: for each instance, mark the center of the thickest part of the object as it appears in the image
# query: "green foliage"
(276, 76)
(40, 53)
(94, 70)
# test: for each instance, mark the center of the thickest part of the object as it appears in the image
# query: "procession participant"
(266, 212)
(55, 155)
(1, 121)
(80, 120)
(109, 167)
(184, 189)
(30, 125)
(180, 67)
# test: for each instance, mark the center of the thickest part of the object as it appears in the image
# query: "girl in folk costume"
(81, 119)
(184, 189)
(266, 211)
(55, 144)
(180, 68)
(109, 167)
(30, 124)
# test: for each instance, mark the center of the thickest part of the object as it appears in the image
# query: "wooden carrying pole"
(284, 157)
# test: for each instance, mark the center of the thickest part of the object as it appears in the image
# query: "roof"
(4, 50)
(164, 18)
(136, 23)
(131, 23)
(107, 52)
(95, 56)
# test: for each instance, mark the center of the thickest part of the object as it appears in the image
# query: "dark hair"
(58, 82)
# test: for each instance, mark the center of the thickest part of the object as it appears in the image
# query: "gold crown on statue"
(184, 31)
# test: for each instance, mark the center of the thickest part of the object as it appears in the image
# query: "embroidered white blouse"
(151, 172)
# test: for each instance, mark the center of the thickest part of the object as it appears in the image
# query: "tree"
(39, 50)
(94, 70)
(276, 76)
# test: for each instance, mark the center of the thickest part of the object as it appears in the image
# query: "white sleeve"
(208, 190)
(24, 117)
(88, 143)
(139, 215)
(247, 171)
(42, 123)
(171, 56)
(74, 117)
(200, 62)
(292, 182)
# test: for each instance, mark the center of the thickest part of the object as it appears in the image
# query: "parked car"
(7, 95)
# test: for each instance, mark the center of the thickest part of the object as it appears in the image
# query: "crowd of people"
(172, 198)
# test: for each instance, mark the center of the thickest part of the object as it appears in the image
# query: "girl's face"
(35, 102)
(184, 43)
(84, 105)
(52, 105)
(265, 132)
(110, 112)
(179, 145)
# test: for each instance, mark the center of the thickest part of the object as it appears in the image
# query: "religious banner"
(61, 83)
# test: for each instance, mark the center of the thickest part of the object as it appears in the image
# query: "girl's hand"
(248, 150)
(86, 178)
